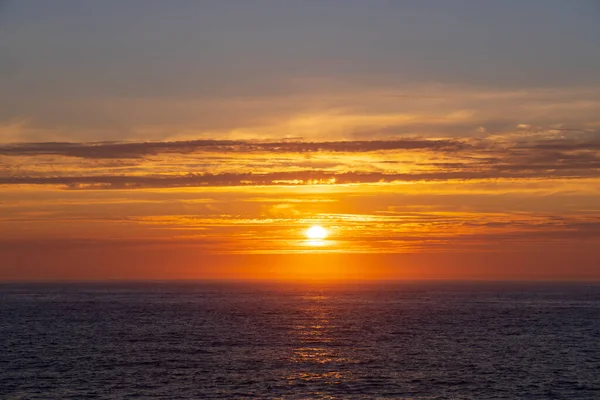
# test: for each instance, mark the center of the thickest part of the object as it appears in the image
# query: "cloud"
(141, 149)
(316, 110)
(305, 177)
(214, 162)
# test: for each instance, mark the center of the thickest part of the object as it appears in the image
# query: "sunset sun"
(316, 232)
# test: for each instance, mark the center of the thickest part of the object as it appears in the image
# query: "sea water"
(193, 340)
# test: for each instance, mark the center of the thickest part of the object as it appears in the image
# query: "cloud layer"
(520, 155)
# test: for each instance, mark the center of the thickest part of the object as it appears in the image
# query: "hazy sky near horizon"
(433, 138)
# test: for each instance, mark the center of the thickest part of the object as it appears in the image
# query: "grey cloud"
(282, 178)
(141, 149)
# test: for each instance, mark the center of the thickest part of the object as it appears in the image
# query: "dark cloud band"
(137, 150)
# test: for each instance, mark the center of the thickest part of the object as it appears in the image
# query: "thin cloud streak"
(310, 177)
(581, 140)
(138, 150)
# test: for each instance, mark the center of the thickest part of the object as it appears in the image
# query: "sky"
(433, 139)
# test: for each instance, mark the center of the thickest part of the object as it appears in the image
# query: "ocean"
(194, 340)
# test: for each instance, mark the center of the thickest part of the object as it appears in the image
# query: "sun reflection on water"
(319, 353)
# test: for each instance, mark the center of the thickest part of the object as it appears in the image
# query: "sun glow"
(316, 232)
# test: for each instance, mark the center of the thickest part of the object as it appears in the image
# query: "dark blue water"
(205, 341)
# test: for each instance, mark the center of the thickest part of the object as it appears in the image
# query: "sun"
(316, 232)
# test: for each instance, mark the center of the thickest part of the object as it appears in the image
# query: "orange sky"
(200, 140)
(409, 209)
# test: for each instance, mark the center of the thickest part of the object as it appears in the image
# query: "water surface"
(358, 341)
